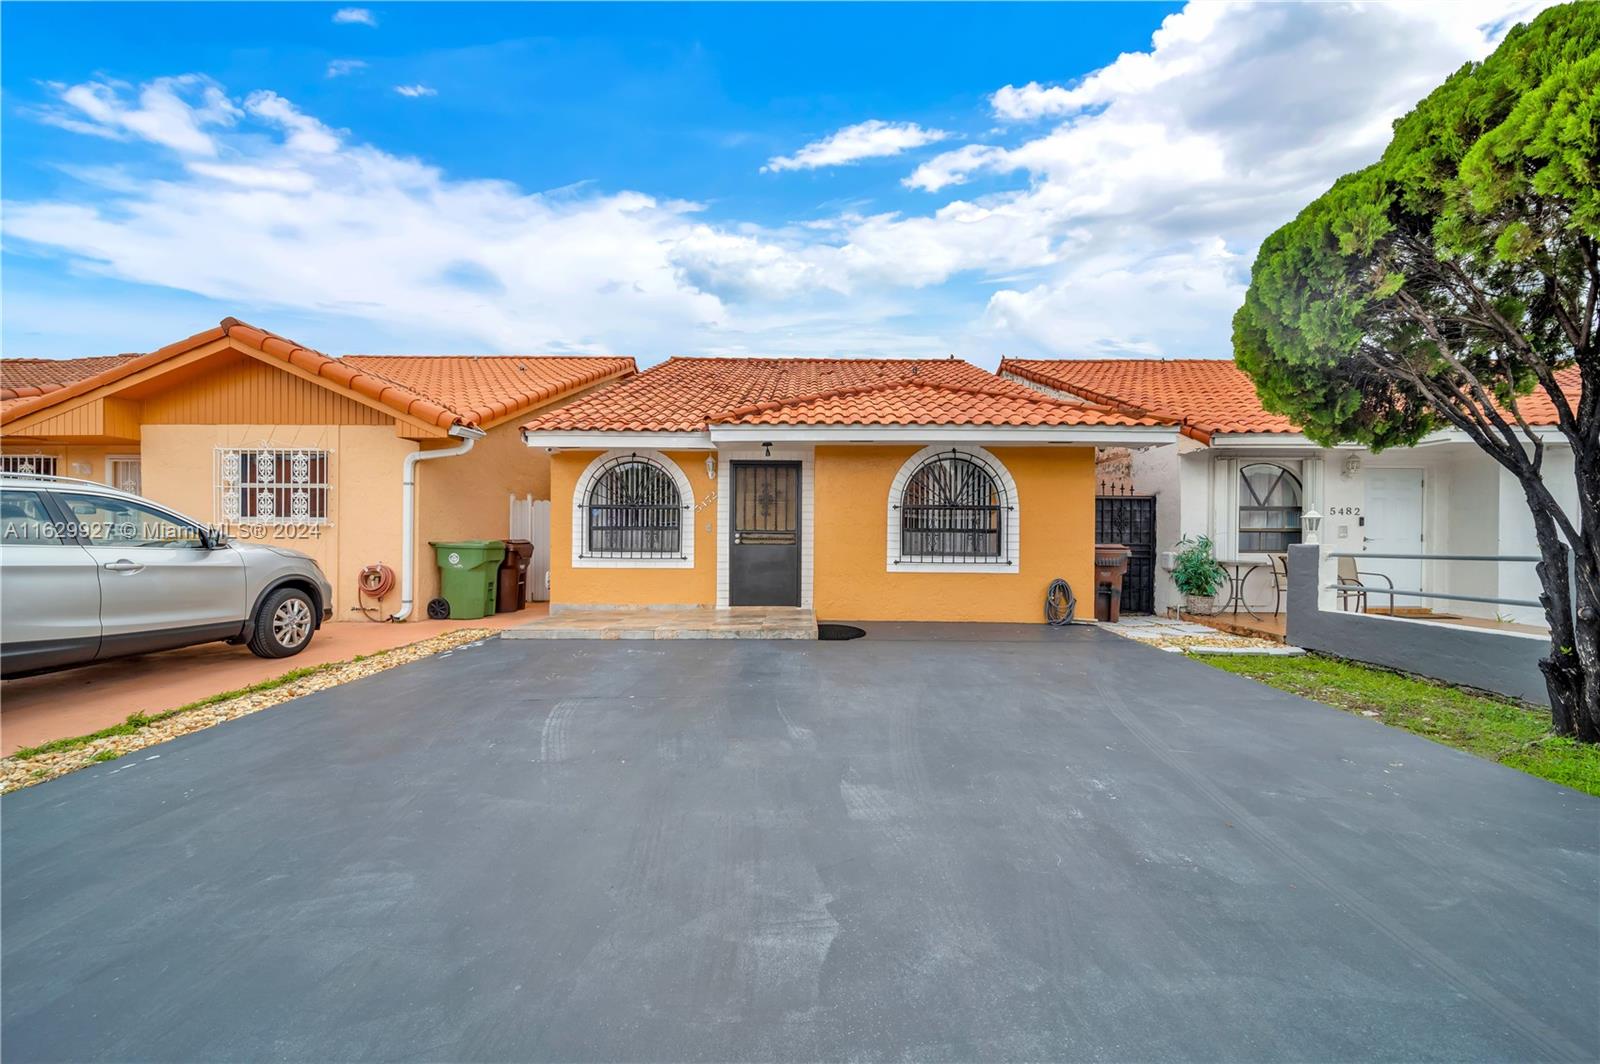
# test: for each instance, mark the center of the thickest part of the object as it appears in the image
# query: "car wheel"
(284, 624)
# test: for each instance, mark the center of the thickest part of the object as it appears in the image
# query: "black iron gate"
(1131, 521)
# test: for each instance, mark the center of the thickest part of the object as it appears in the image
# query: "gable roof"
(1210, 395)
(692, 394)
(24, 378)
(453, 392)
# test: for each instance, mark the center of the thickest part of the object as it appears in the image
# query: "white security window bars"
(633, 510)
(39, 465)
(1269, 509)
(273, 486)
(954, 509)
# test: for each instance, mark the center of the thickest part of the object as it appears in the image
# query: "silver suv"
(89, 573)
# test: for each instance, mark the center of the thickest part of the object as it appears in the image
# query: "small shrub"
(1195, 570)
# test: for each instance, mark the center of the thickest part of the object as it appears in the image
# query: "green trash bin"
(468, 571)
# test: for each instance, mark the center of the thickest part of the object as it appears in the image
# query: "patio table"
(1238, 570)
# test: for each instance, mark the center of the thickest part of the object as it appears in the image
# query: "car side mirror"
(213, 538)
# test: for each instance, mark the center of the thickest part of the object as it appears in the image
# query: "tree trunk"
(1572, 671)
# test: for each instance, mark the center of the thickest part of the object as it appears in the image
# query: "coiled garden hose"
(1060, 604)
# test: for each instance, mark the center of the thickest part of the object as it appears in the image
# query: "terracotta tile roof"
(486, 388)
(24, 378)
(474, 391)
(689, 394)
(1538, 408)
(1212, 395)
(922, 402)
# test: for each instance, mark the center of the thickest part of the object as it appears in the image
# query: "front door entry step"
(735, 622)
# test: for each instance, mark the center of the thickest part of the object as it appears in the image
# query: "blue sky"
(767, 179)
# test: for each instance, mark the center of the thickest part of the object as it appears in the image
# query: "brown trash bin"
(511, 593)
(1110, 565)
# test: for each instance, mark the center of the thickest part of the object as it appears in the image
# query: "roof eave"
(1086, 435)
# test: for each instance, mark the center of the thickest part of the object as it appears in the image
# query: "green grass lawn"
(1498, 729)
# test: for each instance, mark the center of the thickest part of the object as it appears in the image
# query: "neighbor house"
(278, 443)
(1245, 476)
(925, 490)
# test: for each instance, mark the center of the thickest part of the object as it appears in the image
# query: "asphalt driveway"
(1045, 845)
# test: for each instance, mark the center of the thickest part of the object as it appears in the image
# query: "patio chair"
(1352, 585)
(1280, 580)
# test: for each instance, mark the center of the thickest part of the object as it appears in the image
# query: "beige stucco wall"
(84, 461)
(457, 498)
(364, 525)
(468, 496)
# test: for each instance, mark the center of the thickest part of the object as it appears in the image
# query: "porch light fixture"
(768, 451)
(1310, 522)
(1352, 466)
(711, 467)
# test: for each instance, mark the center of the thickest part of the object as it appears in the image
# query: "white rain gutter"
(408, 510)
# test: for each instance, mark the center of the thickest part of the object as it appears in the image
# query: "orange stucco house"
(277, 442)
(862, 489)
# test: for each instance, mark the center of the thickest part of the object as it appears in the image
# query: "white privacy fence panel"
(530, 520)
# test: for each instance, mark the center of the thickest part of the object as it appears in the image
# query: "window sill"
(592, 561)
(953, 567)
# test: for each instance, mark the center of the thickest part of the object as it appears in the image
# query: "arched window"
(954, 507)
(1269, 508)
(633, 509)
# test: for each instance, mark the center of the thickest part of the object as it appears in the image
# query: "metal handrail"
(1380, 591)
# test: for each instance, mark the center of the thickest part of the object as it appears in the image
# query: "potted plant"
(1196, 573)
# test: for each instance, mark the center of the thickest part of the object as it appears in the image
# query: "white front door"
(1394, 526)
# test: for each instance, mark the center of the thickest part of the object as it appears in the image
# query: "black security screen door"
(1131, 521)
(764, 556)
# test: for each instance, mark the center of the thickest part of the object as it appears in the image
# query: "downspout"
(408, 510)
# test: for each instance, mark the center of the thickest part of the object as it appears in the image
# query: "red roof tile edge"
(367, 383)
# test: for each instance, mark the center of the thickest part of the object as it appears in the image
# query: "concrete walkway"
(939, 842)
(36, 709)
(737, 622)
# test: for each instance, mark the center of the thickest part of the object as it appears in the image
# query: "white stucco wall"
(1469, 506)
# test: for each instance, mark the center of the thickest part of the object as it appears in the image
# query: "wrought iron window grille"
(954, 510)
(633, 509)
(273, 486)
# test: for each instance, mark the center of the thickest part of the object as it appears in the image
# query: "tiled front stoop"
(737, 622)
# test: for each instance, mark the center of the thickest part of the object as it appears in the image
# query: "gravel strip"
(18, 772)
(1173, 639)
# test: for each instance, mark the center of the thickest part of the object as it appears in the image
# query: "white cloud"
(952, 167)
(1124, 223)
(415, 91)
(872, 139)
(175, 112)
(355, 16)
(340, 67)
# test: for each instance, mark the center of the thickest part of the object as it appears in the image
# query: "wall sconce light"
(711, 467)
(1310, 524)
(768, 451)
(1352, 465)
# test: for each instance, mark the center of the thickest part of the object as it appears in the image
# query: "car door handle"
(123, 565)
